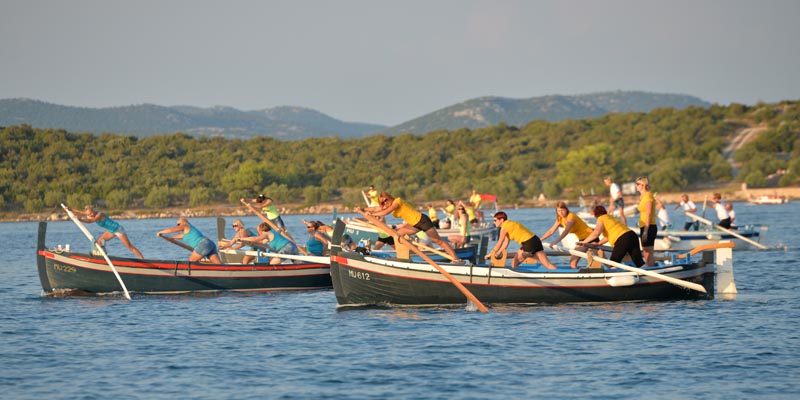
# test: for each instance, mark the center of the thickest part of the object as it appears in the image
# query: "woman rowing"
(571, 224)
(202, 247)
(415, 221)
(113, 228)
(617, 234)
(272, 240)
(529, 244)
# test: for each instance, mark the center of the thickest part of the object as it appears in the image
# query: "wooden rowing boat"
(63, 271)
(365, 280)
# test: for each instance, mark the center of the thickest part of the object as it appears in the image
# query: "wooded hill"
(298, 123)
(677, 149)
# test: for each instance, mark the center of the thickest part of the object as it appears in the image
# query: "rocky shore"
(729, 193)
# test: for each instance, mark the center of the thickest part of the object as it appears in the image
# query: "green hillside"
(677, 149)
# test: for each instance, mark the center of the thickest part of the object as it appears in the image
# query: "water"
(297, 345)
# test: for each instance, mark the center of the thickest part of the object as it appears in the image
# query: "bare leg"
(544, 260)
(434, 235)
(124, 239)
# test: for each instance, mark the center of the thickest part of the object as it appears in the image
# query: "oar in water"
(99, 248)
(715, 226)
(674, 281)
(403, 241)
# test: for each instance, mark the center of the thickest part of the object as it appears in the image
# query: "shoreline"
(729, 193)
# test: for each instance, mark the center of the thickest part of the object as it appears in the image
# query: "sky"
(387, 62)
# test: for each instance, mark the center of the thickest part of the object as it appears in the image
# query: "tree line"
(677, 149)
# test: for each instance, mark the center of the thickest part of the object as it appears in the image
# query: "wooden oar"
(715, 226)
(366, 200)
(274, 227)
(674, 281)
(311, 259)
(435, 251)
(177, 242)
(99, 248)
(707, 247)
(401, 240)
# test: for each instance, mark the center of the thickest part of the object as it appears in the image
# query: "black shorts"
(620, 203)
(387, 240)
(628, 243)
(652, 231)
(424, 223)
(725, 223)
(532, 245)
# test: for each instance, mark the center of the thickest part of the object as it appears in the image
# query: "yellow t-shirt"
(579, 227)
(612, 228)
(470, 212)
(406, 212)
(516, 231)
(373, 197)
(475, 199)
(432, 214)
(647, 196)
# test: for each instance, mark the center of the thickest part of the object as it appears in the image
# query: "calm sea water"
(298, 345)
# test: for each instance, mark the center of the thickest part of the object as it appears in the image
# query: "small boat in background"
(768, 199)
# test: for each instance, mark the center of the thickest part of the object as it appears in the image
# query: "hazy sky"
(387, 62)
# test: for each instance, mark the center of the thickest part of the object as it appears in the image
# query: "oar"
(273, 226)
(709, 223)
(389, 231)
(707, 247)
(674, 281)
(99, 248)
(177, 242)
(705, 201)
(311, 259)
(436, 251)
(366, 200)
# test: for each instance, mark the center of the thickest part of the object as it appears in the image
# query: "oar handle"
(675, 281)
(176, 242)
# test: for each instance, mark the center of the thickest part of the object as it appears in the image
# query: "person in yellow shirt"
(432, 214)
(529, 244)
(572, 224)
(415, 221)
(647, 219)
(372, 195)
(475, 202)
(617, 234)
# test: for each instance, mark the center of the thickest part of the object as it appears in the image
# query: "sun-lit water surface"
(298, 345)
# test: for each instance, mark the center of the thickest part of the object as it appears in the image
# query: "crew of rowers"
(273, 238)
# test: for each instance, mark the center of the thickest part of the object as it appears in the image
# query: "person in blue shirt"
(202, 246)
(113, 228)
(234, 244)
(271, 240)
